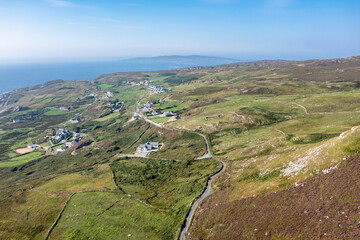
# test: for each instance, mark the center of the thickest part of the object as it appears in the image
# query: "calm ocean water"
(18, 76)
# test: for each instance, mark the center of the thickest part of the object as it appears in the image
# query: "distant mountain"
(177, 59)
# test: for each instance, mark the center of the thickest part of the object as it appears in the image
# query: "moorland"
(288, 132)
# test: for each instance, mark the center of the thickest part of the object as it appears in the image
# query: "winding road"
(208, 190)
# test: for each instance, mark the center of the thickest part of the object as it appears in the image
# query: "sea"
(14, 76)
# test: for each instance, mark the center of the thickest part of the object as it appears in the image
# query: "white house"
(32, 146)
(149, 146)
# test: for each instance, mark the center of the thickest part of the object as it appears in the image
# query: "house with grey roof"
(149, 146)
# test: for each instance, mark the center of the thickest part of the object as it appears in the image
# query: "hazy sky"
(243, 29)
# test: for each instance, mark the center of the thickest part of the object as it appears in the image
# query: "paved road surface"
(208, 190)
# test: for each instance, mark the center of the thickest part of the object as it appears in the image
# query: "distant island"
(179, 59)
(19, 76)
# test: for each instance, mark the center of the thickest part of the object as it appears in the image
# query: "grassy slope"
(54, 178)
(253, 116)
(83, 219)
(323, 207)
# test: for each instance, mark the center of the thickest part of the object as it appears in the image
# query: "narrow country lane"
(208, 190)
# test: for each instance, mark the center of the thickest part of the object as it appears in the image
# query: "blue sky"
(57, 30)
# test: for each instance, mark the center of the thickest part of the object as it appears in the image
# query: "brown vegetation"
(326, 206)
(23, 150)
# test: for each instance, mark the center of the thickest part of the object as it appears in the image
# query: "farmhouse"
(167, 114)
(61, 149)
(75, 120)
(32, 146)
(65, 108)
(137, 117)
(148, 104)
(149, 146)
(61, 133)
(16, 120)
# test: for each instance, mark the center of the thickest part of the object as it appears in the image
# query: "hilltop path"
(297, 104)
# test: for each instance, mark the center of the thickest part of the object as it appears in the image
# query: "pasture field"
(102, 215)
(105, 86)
(167, 185)
(158, 119)
(276, 125)
(22, 159)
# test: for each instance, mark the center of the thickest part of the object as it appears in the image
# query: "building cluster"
(115, 106)
(62, 134)
(3, 98)
(156, 89)
(148, 108)
(108, 94)
(153, 88)
(20, 108)
(145, 83)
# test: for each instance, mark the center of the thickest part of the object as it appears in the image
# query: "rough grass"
(185, 146)
(105, 86)
(253, 115)
(82, 219)
(22, 159)
(170, 107)
(324, 206)
(51, 111)
(28, 215)
(107, 117)
(96, 179)
(157, 119)
(169, 185)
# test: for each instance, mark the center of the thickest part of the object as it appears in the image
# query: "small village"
(115, 106)
(63, 140)
(60, 142)
(148, 108)
(153, 88)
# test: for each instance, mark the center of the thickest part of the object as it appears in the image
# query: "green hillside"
(275, 124)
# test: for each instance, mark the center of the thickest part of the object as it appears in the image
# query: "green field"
(158, 119)
(51, 111)
(108, 117)
(102, 215)
(22, 159)
(274, 124)
(169, 185)
(105, 86)
(170, 107)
